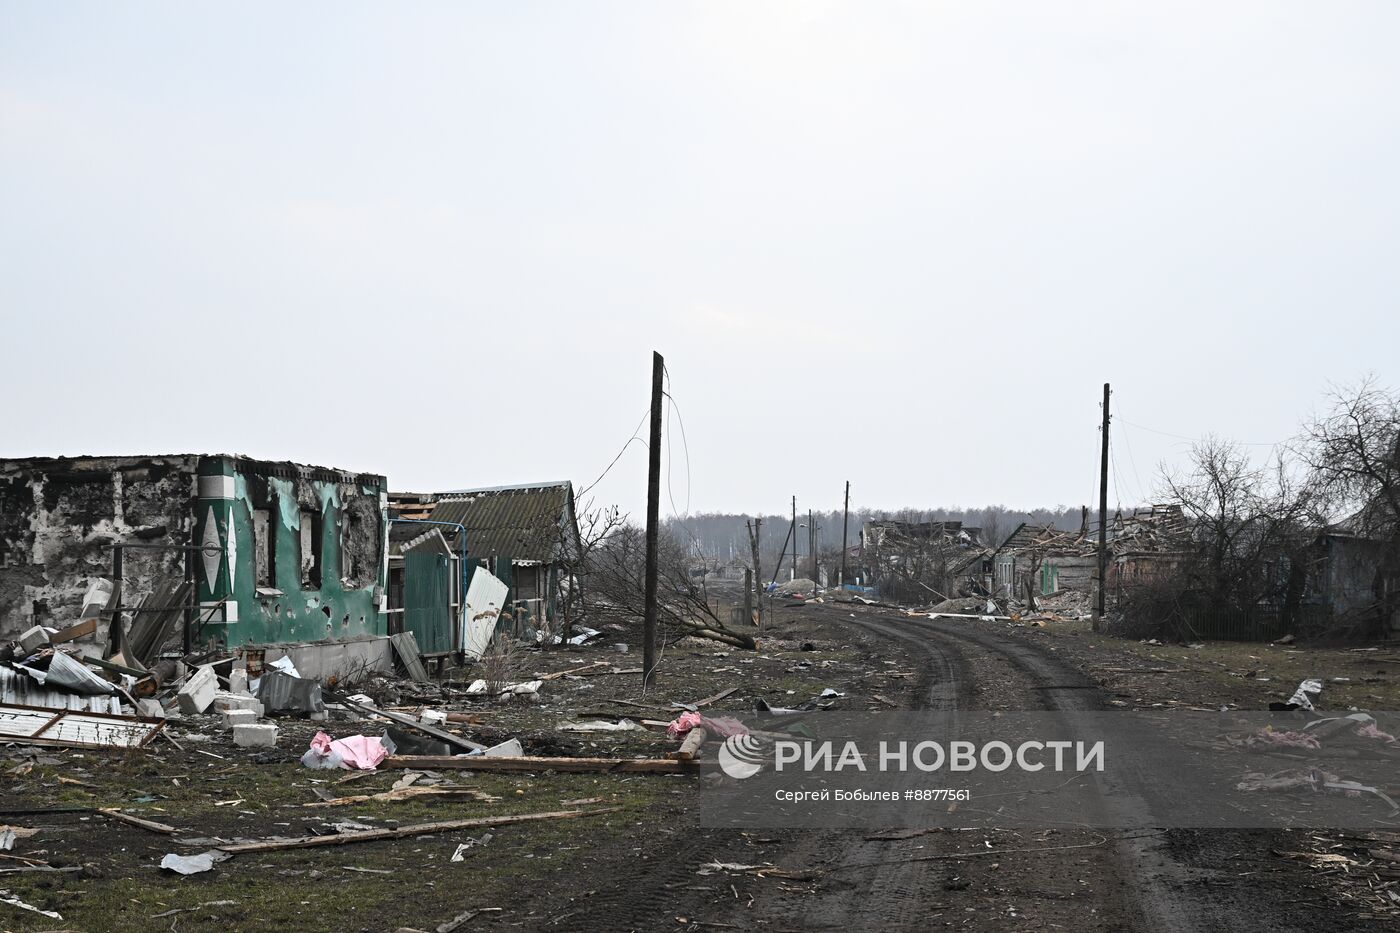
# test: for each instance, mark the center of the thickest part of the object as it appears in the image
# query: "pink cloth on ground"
(355, 751)
(721, 727)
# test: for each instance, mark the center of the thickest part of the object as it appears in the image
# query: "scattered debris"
(459, 855)
(407, 793)
(193, 864)
(598, 725)
(531, 763)
(397, 832)
(7, 898)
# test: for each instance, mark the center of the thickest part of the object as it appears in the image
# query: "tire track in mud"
(1133, 883)
(1168, 893)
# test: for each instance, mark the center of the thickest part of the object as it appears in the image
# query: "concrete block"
(238, 681)
(433, 717)
(199, 691)
(150, 709)
(238, 717)
(255, 735)
(33, 639)
(223, 702)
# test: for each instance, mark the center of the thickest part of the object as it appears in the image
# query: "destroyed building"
(919, 560)
(1041, 559)
(274, 552)
(1149, 543)
(523, 535)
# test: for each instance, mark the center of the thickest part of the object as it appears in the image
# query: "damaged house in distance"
(917, 561)
(252, 552)
(523, 535)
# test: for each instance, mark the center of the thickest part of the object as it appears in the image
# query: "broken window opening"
(262, 548)
(312, 544)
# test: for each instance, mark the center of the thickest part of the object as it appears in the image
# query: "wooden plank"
(533, 763)
(406, 793)
(80, 630)
(399, 832)
(698, 704)
(406, 647)
(137, 821)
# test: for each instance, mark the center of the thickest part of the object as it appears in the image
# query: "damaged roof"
(524, 522)
(1046, 538)
(1155, 528)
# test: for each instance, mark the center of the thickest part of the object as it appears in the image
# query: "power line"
(605, 472)
(1193, 440)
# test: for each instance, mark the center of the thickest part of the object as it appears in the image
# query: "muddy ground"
(640, 865)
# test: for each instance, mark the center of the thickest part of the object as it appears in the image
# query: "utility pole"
(1103, 515)
(845, 522)
(812, 543)
(794, 537)
(658, 370)
(778, 567)
(748, 596)
(754, 545)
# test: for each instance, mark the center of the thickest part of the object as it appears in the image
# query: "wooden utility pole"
(755, 545)
(748, 595)
(778, 567)
(845, 522)
(812, 543)
(658, 370)
(1103, 515)
(794, 537)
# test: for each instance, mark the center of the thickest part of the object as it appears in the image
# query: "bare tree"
(1244, 545)
(618, 577)
(1353, 455)
(595, 524)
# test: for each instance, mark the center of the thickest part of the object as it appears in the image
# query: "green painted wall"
(330, 611)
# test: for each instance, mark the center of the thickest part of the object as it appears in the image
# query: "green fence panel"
(427, 601)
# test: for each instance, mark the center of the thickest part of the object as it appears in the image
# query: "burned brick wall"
(60, 517)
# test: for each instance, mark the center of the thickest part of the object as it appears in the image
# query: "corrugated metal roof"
(519, 522)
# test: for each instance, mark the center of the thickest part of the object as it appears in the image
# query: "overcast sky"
(903, 244)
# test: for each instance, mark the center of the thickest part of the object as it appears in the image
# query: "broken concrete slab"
(150, 708)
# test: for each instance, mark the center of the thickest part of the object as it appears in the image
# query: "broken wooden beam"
(690, 748)
(399, 832)
(538, 763)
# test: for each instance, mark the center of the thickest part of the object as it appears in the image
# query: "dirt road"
(1166, 881)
